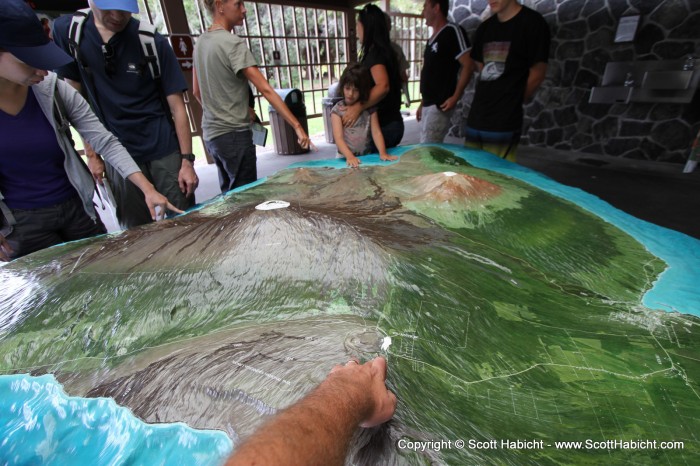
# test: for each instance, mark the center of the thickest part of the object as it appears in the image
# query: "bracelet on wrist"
(189, 157)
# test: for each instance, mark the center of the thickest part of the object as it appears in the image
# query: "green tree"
(406, 6)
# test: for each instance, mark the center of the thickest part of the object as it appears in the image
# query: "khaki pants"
(435, 124)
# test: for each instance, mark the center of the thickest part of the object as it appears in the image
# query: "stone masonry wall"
(560, 116)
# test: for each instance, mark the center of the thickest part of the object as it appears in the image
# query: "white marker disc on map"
(386, 343)
(271, 205)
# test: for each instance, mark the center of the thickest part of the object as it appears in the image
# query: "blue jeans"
(392, 132)
(234, 155)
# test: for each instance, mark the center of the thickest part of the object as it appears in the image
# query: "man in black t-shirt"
(445, 74)
(510, 51)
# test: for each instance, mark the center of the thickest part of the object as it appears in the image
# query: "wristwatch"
(189, 157)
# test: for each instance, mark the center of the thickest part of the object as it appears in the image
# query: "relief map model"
(524, 322)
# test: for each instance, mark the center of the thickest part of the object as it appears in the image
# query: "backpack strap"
(75, 31)
(60, 116)
(147, 34)
(10, 221)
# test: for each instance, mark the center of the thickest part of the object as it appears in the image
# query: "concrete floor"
(653, 191)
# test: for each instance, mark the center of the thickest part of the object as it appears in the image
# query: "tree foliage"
(406, 6)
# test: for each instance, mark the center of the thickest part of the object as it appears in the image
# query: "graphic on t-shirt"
(495, 55)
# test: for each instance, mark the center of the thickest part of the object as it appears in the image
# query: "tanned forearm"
(182, 122)
(465, 74)
(381, 86)
(317, 430)
(329, 415)
(254, 76)
(534, 79)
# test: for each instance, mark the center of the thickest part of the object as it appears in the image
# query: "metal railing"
(301, 47)
(304, 48)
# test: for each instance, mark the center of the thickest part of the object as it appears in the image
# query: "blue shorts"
(502, 143)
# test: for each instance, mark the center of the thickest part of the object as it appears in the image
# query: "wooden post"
(176, 20)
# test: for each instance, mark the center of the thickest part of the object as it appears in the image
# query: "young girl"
(354, 140)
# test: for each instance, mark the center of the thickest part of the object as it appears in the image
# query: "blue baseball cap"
(22, 34)
(131, 6)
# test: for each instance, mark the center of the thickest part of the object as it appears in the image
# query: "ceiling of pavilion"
(72, 5)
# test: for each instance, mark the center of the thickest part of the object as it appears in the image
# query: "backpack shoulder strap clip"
(75, 30)
(148, 45)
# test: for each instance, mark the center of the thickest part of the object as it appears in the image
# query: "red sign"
(182, 45)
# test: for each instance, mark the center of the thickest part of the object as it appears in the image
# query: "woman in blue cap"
(45, 189)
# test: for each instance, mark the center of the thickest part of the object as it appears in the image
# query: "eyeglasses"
(108, 55)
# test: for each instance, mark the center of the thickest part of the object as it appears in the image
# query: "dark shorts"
(41, 228)
(392, 132)
(234, 155)
(163, 173)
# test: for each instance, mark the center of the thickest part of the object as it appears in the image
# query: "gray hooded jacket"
(81, 117)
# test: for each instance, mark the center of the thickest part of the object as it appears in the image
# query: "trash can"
(328, 102)
(286, 141)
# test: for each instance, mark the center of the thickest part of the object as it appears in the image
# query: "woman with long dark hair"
(377, 55)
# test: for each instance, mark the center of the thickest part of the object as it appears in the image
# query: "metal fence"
(301, 47)
(304, 48)
(411, 33)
